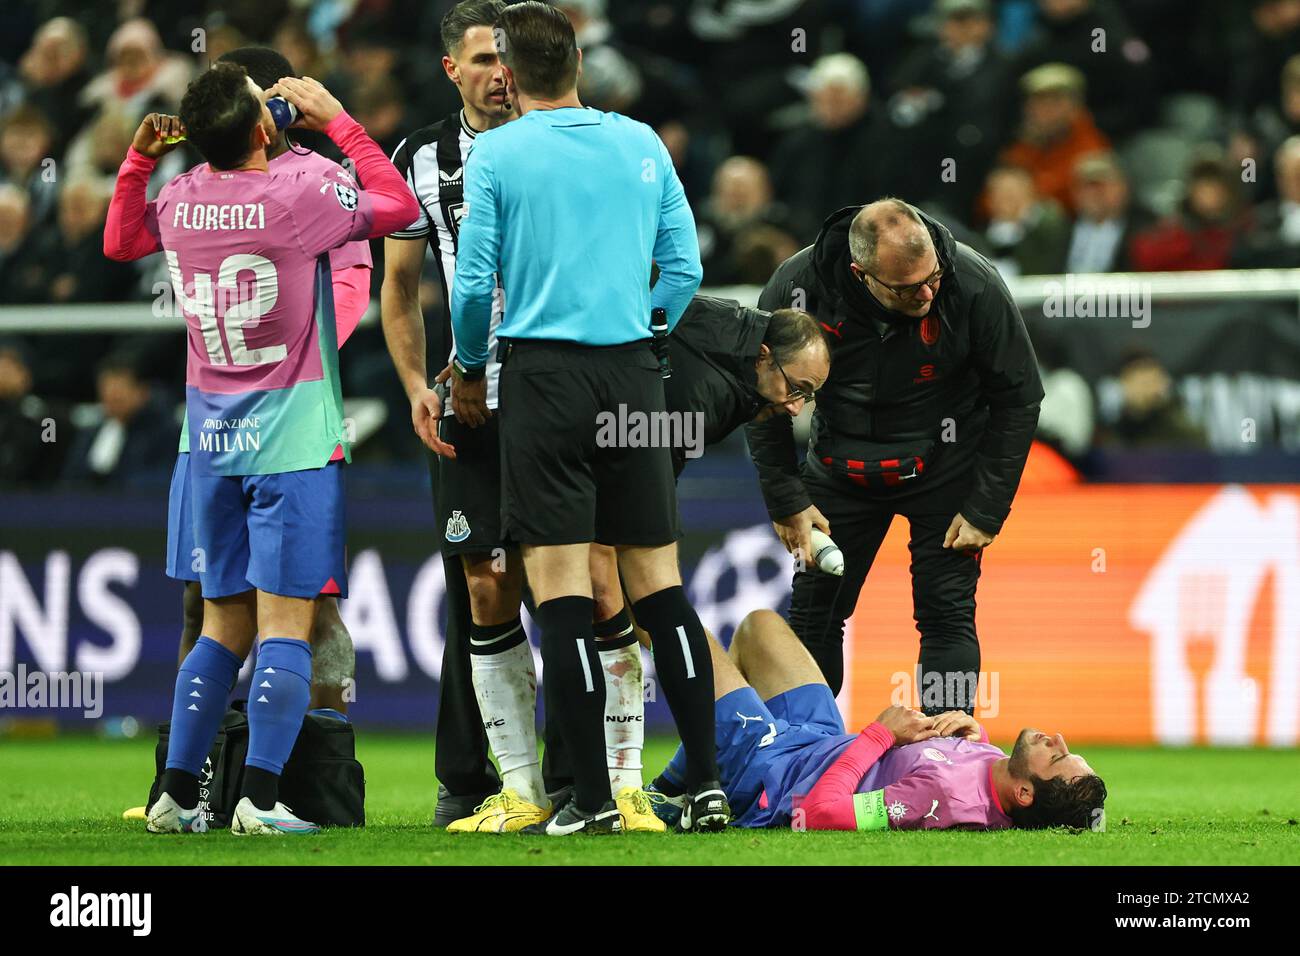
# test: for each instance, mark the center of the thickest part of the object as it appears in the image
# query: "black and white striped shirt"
(433, 161)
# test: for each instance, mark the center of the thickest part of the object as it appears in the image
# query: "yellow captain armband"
(869, 809)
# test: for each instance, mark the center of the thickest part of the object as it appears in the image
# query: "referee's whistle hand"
(426, 413)
(469, 402)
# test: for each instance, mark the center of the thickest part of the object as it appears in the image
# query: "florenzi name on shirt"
(209, 217)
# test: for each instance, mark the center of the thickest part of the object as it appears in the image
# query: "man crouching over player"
(785, 759)
(246, 246)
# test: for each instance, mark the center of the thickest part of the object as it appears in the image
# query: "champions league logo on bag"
(457, 528)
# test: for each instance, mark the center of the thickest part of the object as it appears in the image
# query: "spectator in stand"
(759, 251)
(99, 148)
(53, 72)
(1259, 50)
(840, 156)
(1095, 37)
(15, 244)
(370, 55)
(1274, 242)
(1106, 222)
(135, 437)
(1201, 235)
(952, 103)
(741, 199)
(746, 54)
(619, 76)
(142, 75)
(222, 37)
(29, 452)
(64, 262)
(1056, 131)
(1026, 234)
(1151, 415)
(26, 143)
(1264, 131)
(299, 47)
(75, 267)
(379, 107)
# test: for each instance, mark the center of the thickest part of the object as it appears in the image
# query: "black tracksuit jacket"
(713, 348)
(960, 388)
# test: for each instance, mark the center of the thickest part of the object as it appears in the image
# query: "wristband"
(459, 369)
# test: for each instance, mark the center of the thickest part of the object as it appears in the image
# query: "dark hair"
(219, 112)
(1077, 803)
(121, 362)
(886, 215)
(790, 331)
(262, 63)
(466, 14)
(538, 45)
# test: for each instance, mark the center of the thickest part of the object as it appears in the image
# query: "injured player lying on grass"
(786, 760)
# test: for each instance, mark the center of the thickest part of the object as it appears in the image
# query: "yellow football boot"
(503, 812)
(638, 812)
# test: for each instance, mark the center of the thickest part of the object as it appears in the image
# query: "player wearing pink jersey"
(333, 657)
(333, 660)
(247, 249)
(785, 759)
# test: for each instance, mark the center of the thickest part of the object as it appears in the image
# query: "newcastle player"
(482, 601)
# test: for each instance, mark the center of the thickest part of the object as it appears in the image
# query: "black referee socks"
(685, 670)
(575, 680)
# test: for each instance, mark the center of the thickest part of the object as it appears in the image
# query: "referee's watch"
(466, 374)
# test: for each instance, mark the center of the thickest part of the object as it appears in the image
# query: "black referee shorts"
(570, 472)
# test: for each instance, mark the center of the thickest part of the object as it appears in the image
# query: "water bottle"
(826, 553)
(282, 111)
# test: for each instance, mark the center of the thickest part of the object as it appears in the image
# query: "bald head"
(888, 229)
(891, 252)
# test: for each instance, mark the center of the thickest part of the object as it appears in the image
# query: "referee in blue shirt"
(569, 206)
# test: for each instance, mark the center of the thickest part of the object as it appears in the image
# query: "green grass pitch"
(61, 802)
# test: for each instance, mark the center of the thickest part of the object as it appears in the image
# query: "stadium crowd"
(1051, 135)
